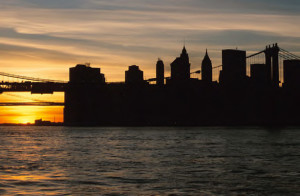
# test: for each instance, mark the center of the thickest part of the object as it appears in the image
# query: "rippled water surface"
(149, 161)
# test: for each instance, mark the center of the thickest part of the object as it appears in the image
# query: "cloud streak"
(43, 38)
(117, 33)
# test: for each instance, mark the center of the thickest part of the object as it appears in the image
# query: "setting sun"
(28, 114)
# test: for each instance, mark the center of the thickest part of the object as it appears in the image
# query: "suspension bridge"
(18, 83)
(272, 57)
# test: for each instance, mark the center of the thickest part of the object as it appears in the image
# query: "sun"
(24, 120)
(28, 114)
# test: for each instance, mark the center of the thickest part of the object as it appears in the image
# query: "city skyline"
(44, 39)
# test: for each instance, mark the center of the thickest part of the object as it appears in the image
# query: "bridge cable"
(30, 78)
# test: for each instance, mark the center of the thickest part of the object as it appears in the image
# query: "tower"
(272, 63)
(206, 68)
(134, 75)
(233, 67)
(160, 72)
(180, 67)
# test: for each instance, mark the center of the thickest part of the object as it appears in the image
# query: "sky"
(42, 38)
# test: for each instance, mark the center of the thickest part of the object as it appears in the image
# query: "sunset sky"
(43, 38)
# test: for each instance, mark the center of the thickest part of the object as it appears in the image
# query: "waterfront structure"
(271, 59)
(258, 73)
(134, 75)
(83, 73)
(237, 99)
(206, 69)
(180, 68)
(160, 73)
(233, 67)
(291, 70)
(184, 101)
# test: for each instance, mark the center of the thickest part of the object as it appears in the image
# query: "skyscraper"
(234, 67)
(291, 73)
(180, 67)
(134, 75)
(206, 68)
(160, 72)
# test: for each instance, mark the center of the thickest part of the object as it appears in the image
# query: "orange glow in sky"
(45, 38)
(28, 114)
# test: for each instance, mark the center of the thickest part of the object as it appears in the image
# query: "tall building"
(291, 69)
(233, 67)
(259, 73)
(180, 67)
(206, 68)
(160, 72)
(85, 74)
(134, 75)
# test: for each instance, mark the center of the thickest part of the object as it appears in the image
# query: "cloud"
(115, 34)
(178, 6)
(43, 38)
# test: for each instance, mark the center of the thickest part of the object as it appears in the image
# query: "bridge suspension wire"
(32, 99)
(30, 78)
(25, 97)
(216, 73)
(289, 54)
(252, 55)
(284, 56)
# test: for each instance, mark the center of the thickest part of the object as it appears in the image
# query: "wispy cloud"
(116, 33)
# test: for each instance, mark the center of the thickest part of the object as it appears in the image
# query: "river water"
(149, 161)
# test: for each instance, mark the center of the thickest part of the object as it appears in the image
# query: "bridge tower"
(275, 68)
(272, 63)
(268, 55)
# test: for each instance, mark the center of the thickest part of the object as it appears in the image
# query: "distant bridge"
(33, 85)
(272, 56)
(32, 104)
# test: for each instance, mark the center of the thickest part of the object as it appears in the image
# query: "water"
(149, 161)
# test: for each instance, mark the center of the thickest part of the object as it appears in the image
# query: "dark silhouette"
(85, 74)
(272, 54)
(184, 101)
(181, 101)
(206, 68)
(160, 73)
(134, 75)
(259, 74)
(291, 73)
(180, 68)
(234, 67)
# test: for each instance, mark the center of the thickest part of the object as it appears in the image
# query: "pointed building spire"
(206, 57)
(184, 50)
(206, 68)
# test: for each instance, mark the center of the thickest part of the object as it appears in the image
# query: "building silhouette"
(134, 75)
(160, 72)
(180, 68)
(291, 70)
(233, 67)
(258, 74)
(206, 68)
(83, 73)
(183, 101)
